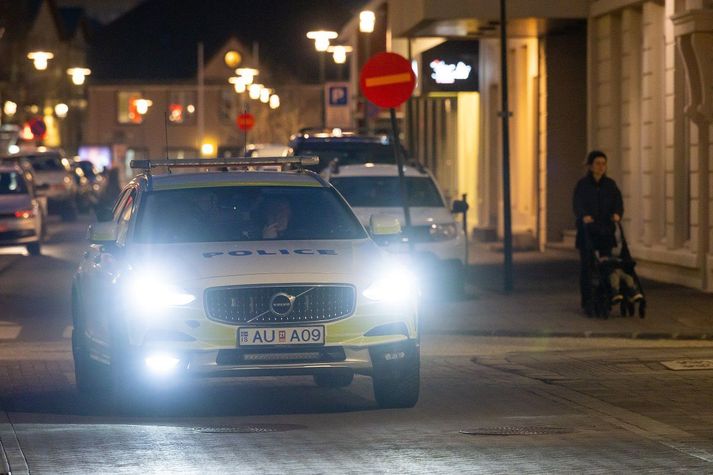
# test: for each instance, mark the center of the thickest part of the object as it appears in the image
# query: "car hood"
(12, 203)
(196, 261)
(419, 216)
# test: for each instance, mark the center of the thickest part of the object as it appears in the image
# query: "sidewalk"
(545, 302)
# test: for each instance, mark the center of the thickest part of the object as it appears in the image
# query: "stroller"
(600, 268)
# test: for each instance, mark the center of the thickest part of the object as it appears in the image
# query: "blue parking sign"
(338, 96)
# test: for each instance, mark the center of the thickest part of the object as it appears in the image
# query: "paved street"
(594, 405)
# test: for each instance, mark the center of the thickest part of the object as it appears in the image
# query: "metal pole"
(321, 86)
(367, 53)
(402, 182)
(201, 98)
(505, 115)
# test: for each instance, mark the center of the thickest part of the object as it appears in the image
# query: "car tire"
(89, 375)
(34, 248)
(396, 385)
(69, 211)
(333, 379)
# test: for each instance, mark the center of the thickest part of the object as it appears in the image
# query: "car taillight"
(25, 214)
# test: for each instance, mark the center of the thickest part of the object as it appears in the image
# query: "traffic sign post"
(387, 80)
(245, 122)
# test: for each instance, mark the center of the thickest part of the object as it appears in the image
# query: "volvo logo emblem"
(281, 304)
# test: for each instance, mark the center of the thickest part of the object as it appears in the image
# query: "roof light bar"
(223, 162)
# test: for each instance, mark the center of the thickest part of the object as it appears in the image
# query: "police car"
(249, 273)
(439, 241)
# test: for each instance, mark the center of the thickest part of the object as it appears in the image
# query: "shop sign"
(450, 66)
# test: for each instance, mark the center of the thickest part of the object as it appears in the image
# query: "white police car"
(439, 241)
(243, 273)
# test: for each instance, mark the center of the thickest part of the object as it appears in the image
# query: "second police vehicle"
(243, 273)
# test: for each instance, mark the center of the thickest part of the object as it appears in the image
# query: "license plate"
(267, 336)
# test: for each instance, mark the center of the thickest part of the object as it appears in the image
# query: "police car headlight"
(149, 293)
(394, 286)
(443, 232)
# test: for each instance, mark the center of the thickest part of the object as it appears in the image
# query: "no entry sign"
(387, 80)
(245, 121)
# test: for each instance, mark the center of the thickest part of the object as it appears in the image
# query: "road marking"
(9, 330)
(67, 333)
(386, 80)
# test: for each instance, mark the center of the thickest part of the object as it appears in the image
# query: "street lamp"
(61, 110)
(254, 91)
(367, 19)
(339, 53)
(239, 83)
(321, 44)
(9, 108)
(248, 74)
(79, 75)
(40, 58)
(274, 101)
(232, 59)
(265, 95)
(321, 38)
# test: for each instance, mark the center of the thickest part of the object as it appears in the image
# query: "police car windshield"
(12, 183)
(245, 213)
(348, 153)
(383, 191)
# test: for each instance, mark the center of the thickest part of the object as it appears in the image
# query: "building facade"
(629, 77)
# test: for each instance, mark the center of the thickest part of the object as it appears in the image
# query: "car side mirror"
(104, 233)
(459, 206)
(384, 225)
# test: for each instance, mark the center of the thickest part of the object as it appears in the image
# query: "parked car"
(54, 179)
(438, 240)
(22, 216)
(347, 148)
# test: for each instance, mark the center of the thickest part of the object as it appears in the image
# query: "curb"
(12, 459)
(582, 334)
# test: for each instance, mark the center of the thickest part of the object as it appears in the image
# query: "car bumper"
(18, 231)
(205, 348)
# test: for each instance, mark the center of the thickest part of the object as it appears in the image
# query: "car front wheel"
(396, 377)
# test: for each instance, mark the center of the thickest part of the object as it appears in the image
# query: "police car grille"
(312, 303)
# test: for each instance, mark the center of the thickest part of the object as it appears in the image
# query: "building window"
(127, 108)
(181, 107)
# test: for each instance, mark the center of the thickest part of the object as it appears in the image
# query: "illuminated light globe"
(61, 110)
(40, 59)
(79, 75)
(322, 38)
(274, 101)
(248, 74)
(339, 53)
(9, 108)
(265, 95)
(232, 59)
(239, 83)
(367, 19)
(254, 91)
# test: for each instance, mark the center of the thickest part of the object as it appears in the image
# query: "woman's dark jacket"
(600, 200)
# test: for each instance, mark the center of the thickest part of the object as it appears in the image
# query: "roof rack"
(147, 165)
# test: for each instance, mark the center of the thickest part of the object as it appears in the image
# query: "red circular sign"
(387, 80)
(245, 121)
(37, 127)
